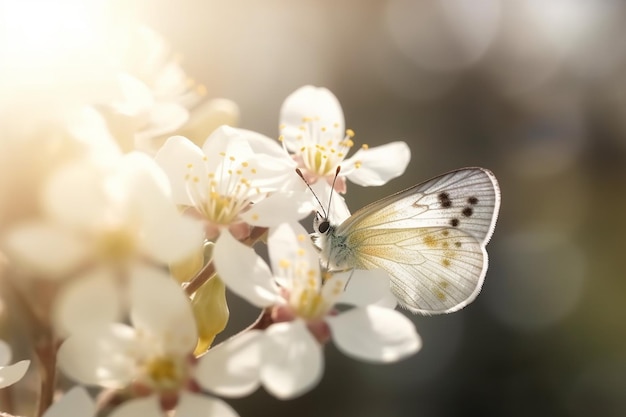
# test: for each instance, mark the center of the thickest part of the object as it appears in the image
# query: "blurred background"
(533, 90)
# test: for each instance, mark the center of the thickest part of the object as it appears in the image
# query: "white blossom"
(313, 130)
(303, 300)
(153, 355)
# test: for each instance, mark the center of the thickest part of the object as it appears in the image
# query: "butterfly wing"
(430, 238)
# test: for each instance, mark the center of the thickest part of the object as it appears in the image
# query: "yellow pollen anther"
(301, 252)
(350, 133)
(196, 179)
(365, 146)
(189, 165)
(323, 128)
(253, 170)
(281, 138)
(301, 238)
(255, 217)
(232, 158)
(306, 119)
(335, 125)
(222, 153)
(282, 126)
(357, 164)
(245, 164)
(205, 158)
(284, 263)
(302, 128)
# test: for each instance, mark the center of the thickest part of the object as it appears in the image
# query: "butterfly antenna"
(313, 192)
(332, 188)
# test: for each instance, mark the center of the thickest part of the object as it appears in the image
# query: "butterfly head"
(321, 223)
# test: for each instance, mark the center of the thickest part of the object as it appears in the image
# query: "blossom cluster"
(128, 215)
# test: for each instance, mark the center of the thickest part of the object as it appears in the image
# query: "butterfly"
(429, 238)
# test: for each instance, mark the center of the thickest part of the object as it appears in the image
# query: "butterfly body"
(429, 238)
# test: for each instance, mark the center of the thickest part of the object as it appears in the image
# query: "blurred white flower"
(10, 374)
(237, 179)
(112, 216)
(288, 354)
(102, 224)
(313, 130)
(153, 356)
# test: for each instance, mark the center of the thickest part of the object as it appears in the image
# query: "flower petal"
(180, 158)
(316, 103)
(279, 208)
(290, 244)
(171, 237)
(337, 210)
(75, 403)
(231, 369)
(49, 249)
(244, 272)
(197, 405)
(9, 375)
(374, 334)
(377, 165)
(75, 195)
(368, 287)
(159, 307)
(144, 407)
(92, 299)
(99, 356)
(291, 360)
(164, 118)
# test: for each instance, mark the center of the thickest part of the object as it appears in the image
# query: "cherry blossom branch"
(46, 352)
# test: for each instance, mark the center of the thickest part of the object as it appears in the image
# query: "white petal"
(99, 356)
(164, 118)
(197, 405)
(92, 299)
(291, 360)
(139, 183)
(49, 249)
(374, 334)
(75, 403)
(75, 195)
(9, 375)
(180, 158)
(368, 287)
(279, 208)
(263, 145)
(312, 102)
(244, 272)
(231, 369)
(338, 210)
(160, 307)
(89, 127)
(137, 96)
(226, 140)
(378, 164)
(289, 243)
(5, 353)
(144, 407)
(171, 237)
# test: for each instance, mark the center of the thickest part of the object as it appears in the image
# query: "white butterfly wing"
(467, 199)
(430, 238)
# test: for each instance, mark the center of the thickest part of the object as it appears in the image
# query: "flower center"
(163, 372)
(227, 193)
(322, 148)
(116, 244)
